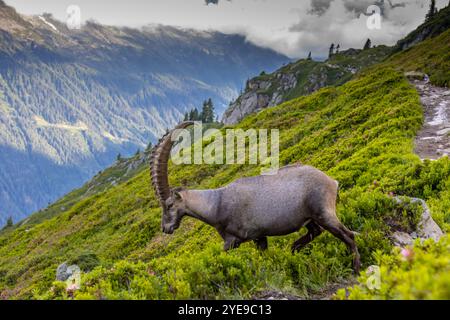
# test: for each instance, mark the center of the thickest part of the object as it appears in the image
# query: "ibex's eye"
(169, 205)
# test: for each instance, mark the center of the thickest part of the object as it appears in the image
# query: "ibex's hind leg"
(313, 231)
(335, 227)
(261, 243)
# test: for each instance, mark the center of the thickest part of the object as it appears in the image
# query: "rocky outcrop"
(427, 228)
(260, 94)
(300, 78)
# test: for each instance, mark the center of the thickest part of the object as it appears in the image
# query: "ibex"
(251, 209)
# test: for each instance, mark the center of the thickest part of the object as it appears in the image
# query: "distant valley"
(72, 100)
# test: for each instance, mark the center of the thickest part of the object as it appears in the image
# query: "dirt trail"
(433, 141)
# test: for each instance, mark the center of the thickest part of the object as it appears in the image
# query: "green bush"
(421, 272)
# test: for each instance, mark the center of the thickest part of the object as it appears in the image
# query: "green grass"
(359, 133)
(432, 57)
(422, 274)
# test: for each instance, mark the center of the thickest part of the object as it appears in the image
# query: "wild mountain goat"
(251, 209)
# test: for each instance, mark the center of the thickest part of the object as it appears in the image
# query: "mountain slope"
(301, 78)
(429, 29)
(71, 100)
(306, 76)
(360, 133)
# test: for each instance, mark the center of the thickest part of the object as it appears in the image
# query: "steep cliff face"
(71, 100)
(300, 78)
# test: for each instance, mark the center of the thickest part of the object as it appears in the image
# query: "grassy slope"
(440, 23)
(359, 133)
(431, 56)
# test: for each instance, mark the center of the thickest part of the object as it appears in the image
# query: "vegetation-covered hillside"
(360, 133)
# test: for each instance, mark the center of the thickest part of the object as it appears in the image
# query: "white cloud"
(292, 27)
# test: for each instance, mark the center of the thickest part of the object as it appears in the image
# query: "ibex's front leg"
(231, 242)
(261, 243)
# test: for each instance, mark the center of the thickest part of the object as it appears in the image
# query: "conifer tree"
(331, 51)
(9, 222)
(432, 10)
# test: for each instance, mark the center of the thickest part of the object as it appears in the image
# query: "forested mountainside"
(306, 75)
(361, 133)
(71, 100)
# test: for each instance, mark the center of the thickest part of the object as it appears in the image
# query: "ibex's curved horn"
(159, 160)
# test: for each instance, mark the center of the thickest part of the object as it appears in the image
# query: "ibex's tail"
(159, 160)
(337, 191)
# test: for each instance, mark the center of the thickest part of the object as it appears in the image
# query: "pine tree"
(119, 157)
(331, 51)
(432, 10)
(195, 115)
(138, 152)
(338, 48)
(368, 44)
(207, 114)
(9, 223)
(186, 117)
(149, 146)
(309, 56)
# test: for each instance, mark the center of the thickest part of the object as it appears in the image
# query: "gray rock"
(427, 228)
(248, 103)
(414, 75)
(61, 272)
(402, 239)
(64, 271)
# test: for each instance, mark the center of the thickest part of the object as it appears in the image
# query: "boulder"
(427, 228)
(415, 75)
(61, 272)
(64, 271)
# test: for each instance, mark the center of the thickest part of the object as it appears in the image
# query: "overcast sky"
(292, 27)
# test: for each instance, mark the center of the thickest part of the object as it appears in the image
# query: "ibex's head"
(171, 200)
(175, 209)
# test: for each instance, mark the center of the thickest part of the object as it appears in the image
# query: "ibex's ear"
(177, 195)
